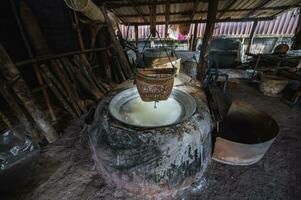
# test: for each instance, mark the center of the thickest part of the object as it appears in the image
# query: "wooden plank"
(167, 17)
(117, 46)
(136, 35)
(226, 8)
(153, 19)
(141, 14)
(12, 75)
(211, 16)
(194, 40)
(251, 38)
(28, 20)
(119, 4)
(56, 56)
(297, 37)
(221, 12)
(260, 5)
(204, 21)
(195, 7)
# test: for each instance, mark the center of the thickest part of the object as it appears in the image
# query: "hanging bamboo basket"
(155, 84)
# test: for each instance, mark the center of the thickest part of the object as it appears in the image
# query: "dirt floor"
(65, 170)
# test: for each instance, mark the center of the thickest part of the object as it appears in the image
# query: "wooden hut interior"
(150, 99)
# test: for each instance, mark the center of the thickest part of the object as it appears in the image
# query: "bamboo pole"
(297, 37)
(96, 94)
(18, 112)
(136, 36)
(13, 128)
(35, 67)
(19, 86)
(56, 56)
(70, 87)
(48, 79)
(116, 44)
(194, 40)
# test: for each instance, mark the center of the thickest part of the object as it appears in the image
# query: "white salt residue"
(199, 185)
(139, 112)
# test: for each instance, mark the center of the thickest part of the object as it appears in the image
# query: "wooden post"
(35, 66)
(12, 75)
(153, 19)
(211, 16)
(251, 38)
(136, 35)
(167, 13)
(116, 44)
(297, 37)
(18, 111)
(194, 39)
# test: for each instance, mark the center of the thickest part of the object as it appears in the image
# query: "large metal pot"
(246, 134)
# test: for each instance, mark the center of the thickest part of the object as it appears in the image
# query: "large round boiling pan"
(187, 103)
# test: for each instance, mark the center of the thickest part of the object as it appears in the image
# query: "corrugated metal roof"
(283, 25)
(137, 11)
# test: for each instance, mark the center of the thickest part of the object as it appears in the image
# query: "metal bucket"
(246, 134)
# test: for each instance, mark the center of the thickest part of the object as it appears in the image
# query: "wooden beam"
(194, 40)
(260, 5)
(251, 38)
(117, 46)
(13, 77)
(140, 14)
(226, 7)
(55, 56)
(222, 11)
(136, 35)
(297, 37)
(195, 8)
(296, 5)
(167, 15)
(204, 21)
(153, 19)
(112, 4)
(211, 18)
(28, 24)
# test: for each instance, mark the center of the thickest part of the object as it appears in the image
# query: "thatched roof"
(179, 11)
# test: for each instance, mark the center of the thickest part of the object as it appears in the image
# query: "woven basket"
(272, 85)
(155, 84)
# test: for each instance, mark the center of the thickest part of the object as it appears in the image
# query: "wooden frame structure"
(217, 11)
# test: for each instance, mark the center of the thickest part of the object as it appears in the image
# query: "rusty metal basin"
(246, 134)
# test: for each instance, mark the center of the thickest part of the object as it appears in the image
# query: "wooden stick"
(96, 94)
(60, 88)
(116, 44)
(51, 56)
(251, 38)
(19, 86)
(30, 53)
(211, 16)
(67, 86)
(18, 112)
(88, 71)
(71, 88)
(56, 92)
